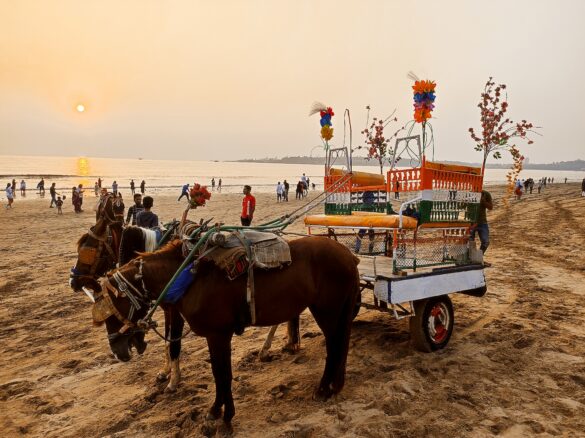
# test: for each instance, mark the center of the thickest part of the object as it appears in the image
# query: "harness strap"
(250, 281)
(127, 323)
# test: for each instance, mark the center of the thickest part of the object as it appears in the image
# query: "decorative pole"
(424, 98)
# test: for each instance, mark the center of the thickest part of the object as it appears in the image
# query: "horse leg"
(221, 366)
(264, 355)
(177, 324)
(294, 336)
(336, 327)
(164, 373)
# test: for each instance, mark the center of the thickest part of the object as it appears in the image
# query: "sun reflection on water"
(83, 170)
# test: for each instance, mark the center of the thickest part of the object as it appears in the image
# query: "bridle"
(119, 286)
(95, 257)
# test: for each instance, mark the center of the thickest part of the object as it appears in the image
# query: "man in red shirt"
(248, 207)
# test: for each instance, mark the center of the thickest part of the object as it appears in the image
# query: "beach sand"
(515, 365)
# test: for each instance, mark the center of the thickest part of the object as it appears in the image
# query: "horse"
(106, 244)
(323, 276)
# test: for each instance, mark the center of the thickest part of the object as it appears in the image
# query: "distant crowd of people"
(302, 189)
(523, 186)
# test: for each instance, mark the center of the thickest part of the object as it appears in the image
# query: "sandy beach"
(514, 367)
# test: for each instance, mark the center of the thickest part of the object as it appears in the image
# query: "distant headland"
(574, 165)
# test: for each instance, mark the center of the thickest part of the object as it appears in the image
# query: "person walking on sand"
(22, 188)
(184, 192)
(115, 188)
(481, 227)
(219, 185)
(279, 191)
(132, 187)
(213, 184)
(142, 187)
(135, 209)
(248, 207)
(53, 193)
(9, 195)
(286, 186)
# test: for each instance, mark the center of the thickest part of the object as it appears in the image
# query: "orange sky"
(234, 79)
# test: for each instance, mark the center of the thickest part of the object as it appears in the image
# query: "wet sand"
(515, 365)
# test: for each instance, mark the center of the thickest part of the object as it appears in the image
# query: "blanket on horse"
(234, 253)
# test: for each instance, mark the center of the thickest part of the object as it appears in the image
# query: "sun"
(80, 108)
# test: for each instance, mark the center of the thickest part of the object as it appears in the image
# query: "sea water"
(167, 176)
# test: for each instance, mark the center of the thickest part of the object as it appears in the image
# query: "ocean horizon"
(167, 176)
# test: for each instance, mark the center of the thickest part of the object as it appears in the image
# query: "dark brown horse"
(106, 244)
(323, 276)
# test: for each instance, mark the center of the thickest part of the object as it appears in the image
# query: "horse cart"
(411, 230)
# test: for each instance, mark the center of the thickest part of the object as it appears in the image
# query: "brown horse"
(108, 243)
(323, 276)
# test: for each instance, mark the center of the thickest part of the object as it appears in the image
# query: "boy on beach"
(59, 204)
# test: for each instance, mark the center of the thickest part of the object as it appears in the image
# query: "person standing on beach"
(75, 199)
(300, 188)
(286, 189)
(279, 190)
(118, 208)
(99, 182)
(13, 187)
(59, 204)
(41, 187)
(53, 193)
(212, 184)
(80, 196)
(248, 207)
(219, 185)
(142, 187)
(22, 188)
(481, 227)
(115, 188)
(184, 192)
(583, 188)
(132, 187)
(9, 195)
(135, 209)
(96, 189)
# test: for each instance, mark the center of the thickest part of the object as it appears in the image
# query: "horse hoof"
(213, 414)
(265, 357)
(291, 348)
(207, 430)
(321, 394)
(225, 430)
(162, 377)
(171, 388)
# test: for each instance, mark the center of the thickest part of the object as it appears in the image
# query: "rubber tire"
(356, 307)
(419, 330)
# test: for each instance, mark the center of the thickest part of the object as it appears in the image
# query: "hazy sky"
(235, 79)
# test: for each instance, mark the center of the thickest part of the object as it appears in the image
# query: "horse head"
(97, 250)
(126, 294)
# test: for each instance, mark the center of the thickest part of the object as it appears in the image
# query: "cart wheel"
(432, 325)
(356, 308)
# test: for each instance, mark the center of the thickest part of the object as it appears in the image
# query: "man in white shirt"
(279, 192)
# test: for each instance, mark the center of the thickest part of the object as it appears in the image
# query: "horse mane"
(171, 248)
(131, 244)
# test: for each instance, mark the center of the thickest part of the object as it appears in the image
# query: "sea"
(167, 176)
